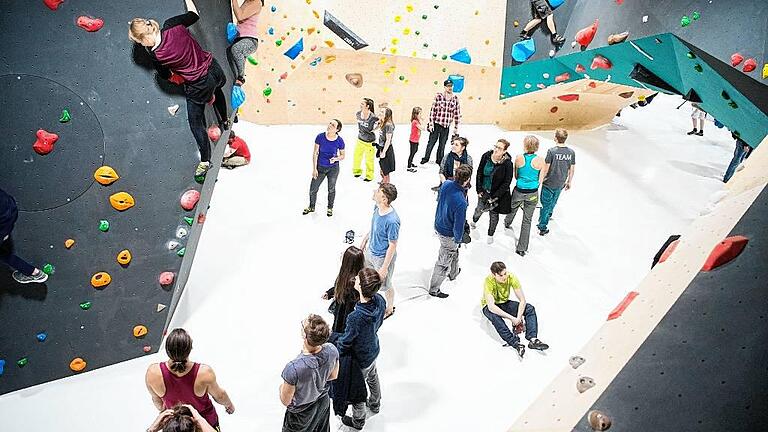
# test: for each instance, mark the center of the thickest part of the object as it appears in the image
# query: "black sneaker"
(519, 348)
(424, 161)
(557, 39)
(693, 132)
(357, 175)
(367, 180)
(20, 277)
(438, 294)
(454, 278)
(349, 421)
(308, 210)
(329, 212)
(543, 232)
(373, 408)
(521, 253)
(536, 344)
(411, 169)
(700, 133)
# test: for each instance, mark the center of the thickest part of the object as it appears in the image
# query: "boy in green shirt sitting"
(497, 307)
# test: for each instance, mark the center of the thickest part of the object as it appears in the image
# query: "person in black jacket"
(494, 175)
(24, 272)
(343, 293)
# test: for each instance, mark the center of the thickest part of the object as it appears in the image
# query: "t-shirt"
(415, 131)
(386, 129)
(383, 229)
(179, 51)
(499, 291)
(240, 147)
(560, 160)
(309, 373)
(328, 149)
(366, 127)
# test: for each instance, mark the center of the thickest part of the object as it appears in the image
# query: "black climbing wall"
(119, 118)
(703, 368)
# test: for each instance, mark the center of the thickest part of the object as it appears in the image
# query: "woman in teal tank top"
(528, 167)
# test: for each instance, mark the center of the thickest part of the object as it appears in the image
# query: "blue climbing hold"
(2, 366)
(462, 56)
(42, 336)
(554, 4)
(295, 50)
(458, 82)
(523, 50)
(231, 32)
(271, 31)
(274, 8)
(718, 124)
(237, 98)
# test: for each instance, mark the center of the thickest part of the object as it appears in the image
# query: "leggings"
(414, 149)
(212, 83)
(237, 52)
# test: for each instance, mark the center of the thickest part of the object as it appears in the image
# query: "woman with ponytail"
(180, 381)
(182, 418)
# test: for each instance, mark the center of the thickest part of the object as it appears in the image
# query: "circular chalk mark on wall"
(46, 182)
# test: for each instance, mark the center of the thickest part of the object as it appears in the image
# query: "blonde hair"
(531, 144)
(561, 135)
(139, 28)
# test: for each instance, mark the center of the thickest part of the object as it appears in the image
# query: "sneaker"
(693, 132)
(521, 253)
(357, 175)
(20, 277)
(202, 168)
(411, 170)
(557, 39)
(519, 348)
(350, 422)
(524, 35)
(490, 240)
(536, 344)
(473, 225)
(438, 294)
(700, 133)
(424, 162)
(308, 210)
(543, 232)
(367, 180)
(329, 212)
(373, 408)
(454, 277)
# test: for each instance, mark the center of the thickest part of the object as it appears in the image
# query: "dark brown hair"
(338, 125)
(369, 103)
(370, 282)
(462, 141)
(351, 263)
(180, 421)
(504, 142)
(387, 118)
(462, 174)
(178, 345)
(316, 330)
(498, 267)
(390, 191)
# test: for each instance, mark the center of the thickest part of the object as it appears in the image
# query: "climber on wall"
(180, 59)
(542, 10)
(24, 272)
(247, 40)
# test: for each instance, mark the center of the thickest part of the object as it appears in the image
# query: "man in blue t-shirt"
(380, 243)
(558, 175)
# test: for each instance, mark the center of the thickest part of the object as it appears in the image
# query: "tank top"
(527, 175)
(181, 389)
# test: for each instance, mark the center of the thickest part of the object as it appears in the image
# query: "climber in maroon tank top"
(180, 381)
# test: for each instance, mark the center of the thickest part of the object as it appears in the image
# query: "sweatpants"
(369, 151)
(528, 201)
(238, 51)
(447, 264)
(332, 172)
(374, 394)
(440, 133)
(314, 417)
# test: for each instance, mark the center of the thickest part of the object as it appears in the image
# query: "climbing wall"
(105, 246)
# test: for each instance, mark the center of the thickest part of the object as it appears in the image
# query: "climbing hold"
(724, 252)
(622, 306)
(458, 82)
(188, 220)
(685, 21)
(201, 218)
(584, 383)
(105, 175)
(545, 75)
(600, 62)
(200, 179)
(576, 361)
(237, 98)
(68, 243)
(568, 97)
(121, 201)
(523, 50)
(617, 38)
(49, 269)
(181, 252)
(85, 305)
(553, 109)
(2, 366)
(267, 91)
(279, 42)
(719, 126)
(462, 56)
(103, 225)
(736, 59)
(551, 53)
(627, 94)
(90, 24)
(139, 331)
(765, 71)
(554, 4)
(77, 364)
(750, 65)
(22, 362)
(124, 257)
(232, 32)
(695, 15)
(53, 4)
(295, 50)
(147, 348)
(355, 79)
(189, 199)
(172, 244)
(181, 232)
(173, 109)
(214, 133)
(580, 68)
(252, 60)
(165, 279)
(101, 279)
(273, 8)
(585, 36)
(160, 307)
(697, 67)
(562, 77)
(690, 55)
(65, 116)
(330, 43)
(599, 421)
(733, 104)
(45, 141)
(42, 336)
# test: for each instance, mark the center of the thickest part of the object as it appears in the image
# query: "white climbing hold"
(181, 232)
(551, 53)
(172, 244)
(573, 44)
(645, 18)
(173, 109)
(160, 307)
(545, 75)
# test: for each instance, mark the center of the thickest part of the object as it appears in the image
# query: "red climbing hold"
(584, 36)
(176, 79)
(580, 68)
(90, 24)
(166, 278)
(668, 251)
(592, 84)
(621, 307)
(724, 252)
(568, 97)
(736, 59)
(214, 133)
(45, 141)
(600, 62)
(201, 218)
(53, 4)
(750, 65)
(189, 199)
(562, 77)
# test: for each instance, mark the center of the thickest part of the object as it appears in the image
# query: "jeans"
(332, 172)
(7, 256)
(738, 158)
(238, 51)
(374, 395)
(414, 149)
(528, 201)
(363, 149)
(198, 94)
(482, 203)
(440, 132)
(447, 263)
(510, 307)
(549, 198)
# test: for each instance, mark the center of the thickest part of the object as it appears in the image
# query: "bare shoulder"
(205, 373)
(153, 371)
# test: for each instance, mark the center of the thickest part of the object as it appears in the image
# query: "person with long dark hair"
(494, 176)
(181, 418)
(329, 150)
(386, 151)
(366, 123)
(343, 291)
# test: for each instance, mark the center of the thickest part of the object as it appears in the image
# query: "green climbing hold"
(252, 60)
(695, 15)
(103, 225)
(733, 104)
(437, 6)
(65, 117)
(85, 305)
(22, 362)
(279, 42)
(724, 95)
(402, 77)
(267, 91)
(49, 269)
(698, 68)
(423, 17)
(200, 179)
(434, 82)
(188, 220)
(691, 55)
(181, 252)
(685, 21)
(444, 69)
(444, 57)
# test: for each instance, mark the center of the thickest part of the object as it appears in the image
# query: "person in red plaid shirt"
(445, 110)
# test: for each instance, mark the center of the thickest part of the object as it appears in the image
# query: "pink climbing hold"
(214, 133)
(568, 97)
(750, 65)
(53, 4)
(736, 59)
(166, 278)
(580, 68)
(189, 199)
(600, 62)
(585, 36)
(562, 77)
(45, 141)
(592, 84)
(90, 24)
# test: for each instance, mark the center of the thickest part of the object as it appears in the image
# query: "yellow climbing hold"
(309, 1)
(395, 41)
(317, 15)
(516, 23)
(765, 71)
(329, 58)
(397, 18)
(393, 50)
(477, 12)
(330, 43)
(409, 8)
(383, 60)
(493, 62)
(311, 30)
(406, 31)
(487, 41)
(68, 243)
(121, 201)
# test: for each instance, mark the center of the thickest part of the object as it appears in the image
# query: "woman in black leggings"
(180, 59)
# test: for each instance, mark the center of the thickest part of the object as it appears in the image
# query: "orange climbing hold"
(68, 243)
(600, 62)
(562, 77)
(750, 65)
(668, 251)
(568, 97)
(724, 252)
(140, 331)
(105, 175)
(77, 364)
(621, 307)
(121, 201)
(736, 59)
(330, 43)
(627, 94)
(101, 279)
(124, 257)
(585, 36)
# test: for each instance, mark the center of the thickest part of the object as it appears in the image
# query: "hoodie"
(359, 338)
(8, 214)
(451, 212)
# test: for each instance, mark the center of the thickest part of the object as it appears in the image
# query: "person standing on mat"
(366, 123)
(304, 390)
(180, 59)
(697, 114)
(740, 153)
(450, 216)
(541, 10)
(179, 380)
(528, 166)
(494, 176)
(247, 40)
(445, 110)
(24, 272)
(415, 136)
(343, 292)
(386, 151)
(456, 157)
(329, 150)
(558, 175)
(380, 243)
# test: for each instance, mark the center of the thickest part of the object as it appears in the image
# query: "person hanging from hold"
(541, 10)
(180, 59)
(247, 41)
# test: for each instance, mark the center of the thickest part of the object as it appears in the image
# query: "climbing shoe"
(536, 344)
(308, 210)
(329, 212)
(519, 348)
(557, 39)
(693, 132)
(202, 168)
(20, 277)
(524, 35)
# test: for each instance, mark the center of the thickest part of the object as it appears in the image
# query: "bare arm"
(571, 173)
(335, 372)
(315, 154)
(217, 393)
(365, 241)
(155, 398)
(544, 172)
(491, 303)
(229, 151)
(521, 299)
(287, 391)
(191, 6)
(391, 249)
(247, 10)
(387, 143)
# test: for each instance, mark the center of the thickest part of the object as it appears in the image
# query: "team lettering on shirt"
(562, 157)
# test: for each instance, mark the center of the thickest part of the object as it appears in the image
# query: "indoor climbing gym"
(326, 215)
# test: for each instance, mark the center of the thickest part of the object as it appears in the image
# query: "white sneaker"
(473, 225)
(202, 168)
(490, 240)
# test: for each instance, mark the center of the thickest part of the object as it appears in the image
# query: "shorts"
(698, 114)
(201, 91)
(540, 9)
(376, 262)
